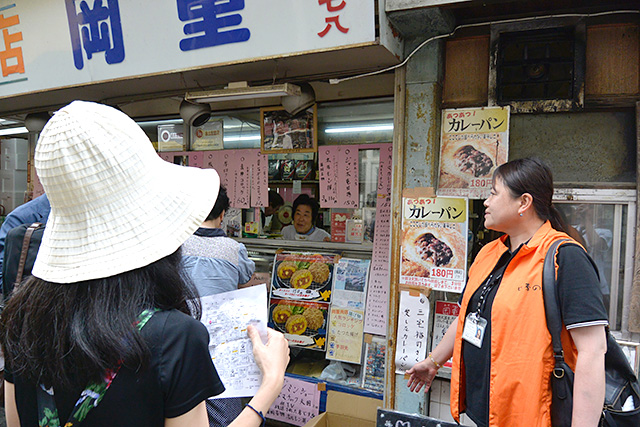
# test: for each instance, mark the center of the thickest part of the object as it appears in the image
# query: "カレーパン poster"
(434, 241)
(475, 141)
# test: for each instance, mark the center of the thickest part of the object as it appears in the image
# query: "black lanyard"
(494, 278)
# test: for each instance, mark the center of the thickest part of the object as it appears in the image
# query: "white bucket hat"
(115, 204)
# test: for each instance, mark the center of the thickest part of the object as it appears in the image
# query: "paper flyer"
(345, 338)
(434, 242)
(298, 402)
(413, 318)
(226, 317)
(474, 142)
(350, 283)
(446, 313)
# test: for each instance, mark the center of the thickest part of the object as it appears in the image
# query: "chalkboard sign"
(387, 418)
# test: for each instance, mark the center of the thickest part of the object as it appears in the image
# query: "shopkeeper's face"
(303, 219)
(501, 211)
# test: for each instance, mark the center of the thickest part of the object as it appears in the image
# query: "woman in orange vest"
(501, 348)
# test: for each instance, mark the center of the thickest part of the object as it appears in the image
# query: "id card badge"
(474, 327)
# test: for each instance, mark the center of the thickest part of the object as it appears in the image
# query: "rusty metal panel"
(422, 135)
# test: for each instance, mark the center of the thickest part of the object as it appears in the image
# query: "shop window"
(603, 221)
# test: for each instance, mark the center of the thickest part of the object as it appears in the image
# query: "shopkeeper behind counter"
(305, 212)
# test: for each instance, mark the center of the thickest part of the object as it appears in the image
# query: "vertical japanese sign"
(339, 176)
(474, 142)
(378, 293)
(259, 180)
(413, 317)
(434, 241)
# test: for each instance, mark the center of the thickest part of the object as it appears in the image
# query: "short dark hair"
(221, 205)
(304, 199)
(531, 175)
(275, 200)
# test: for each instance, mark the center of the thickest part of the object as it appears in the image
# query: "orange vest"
(521, 352)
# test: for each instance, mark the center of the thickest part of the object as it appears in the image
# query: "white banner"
(71, 42)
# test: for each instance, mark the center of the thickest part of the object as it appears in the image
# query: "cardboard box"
(346, 409)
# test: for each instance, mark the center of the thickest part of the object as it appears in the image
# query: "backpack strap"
(25, 249)
(551, 304)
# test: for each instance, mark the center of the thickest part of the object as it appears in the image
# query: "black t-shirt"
(180, 375)
(581, 304)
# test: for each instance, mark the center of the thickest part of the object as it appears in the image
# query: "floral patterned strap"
(89, 398)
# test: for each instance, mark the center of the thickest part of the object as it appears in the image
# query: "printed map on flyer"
(226, 317)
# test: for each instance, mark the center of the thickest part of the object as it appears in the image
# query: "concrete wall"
(579, 147)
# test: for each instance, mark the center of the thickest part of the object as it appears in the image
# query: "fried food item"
(301, 279)
(320, 272)
(296, 324)
(286, 269)
(281, 313)
(431, 248)
(314, 317)
(472, 161)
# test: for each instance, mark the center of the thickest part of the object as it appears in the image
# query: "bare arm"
(422, 373)
(272, 359)
(11, 412)
(589, 381)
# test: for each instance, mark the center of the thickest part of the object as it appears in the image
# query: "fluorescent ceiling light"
(242, 138)
(354, 129)
(14, 131)
(245, 92)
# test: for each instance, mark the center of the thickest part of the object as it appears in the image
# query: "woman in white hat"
(102, 334)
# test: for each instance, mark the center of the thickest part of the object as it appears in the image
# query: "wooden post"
(396, 212)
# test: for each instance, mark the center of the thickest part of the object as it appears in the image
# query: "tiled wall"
(439, 403)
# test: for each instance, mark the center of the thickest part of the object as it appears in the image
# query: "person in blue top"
(217, 263)
(36, 210)
(305, 213)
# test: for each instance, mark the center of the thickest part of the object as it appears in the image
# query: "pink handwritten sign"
(327, 164)
(241, 168)
(259, 179)
(348, 177)
(378, 290)
(298, 402)
(212, 160)
(196, 159)
(385, 169)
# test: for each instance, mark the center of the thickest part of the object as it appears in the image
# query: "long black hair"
(70, 334)
(531, 175)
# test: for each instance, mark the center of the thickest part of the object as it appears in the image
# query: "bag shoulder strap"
(25, 249)
(551, 304)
